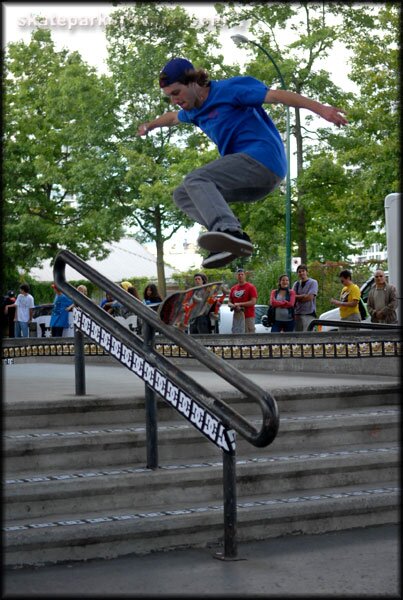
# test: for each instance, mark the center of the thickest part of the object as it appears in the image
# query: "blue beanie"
(174, 70)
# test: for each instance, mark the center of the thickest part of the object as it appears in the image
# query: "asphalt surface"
(360, 563)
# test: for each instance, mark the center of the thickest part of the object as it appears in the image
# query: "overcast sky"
(81, 27)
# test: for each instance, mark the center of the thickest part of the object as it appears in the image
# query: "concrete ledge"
(347, 352)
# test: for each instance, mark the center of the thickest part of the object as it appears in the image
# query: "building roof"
(127, 259)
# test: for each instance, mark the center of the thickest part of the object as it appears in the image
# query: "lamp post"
(241, 39)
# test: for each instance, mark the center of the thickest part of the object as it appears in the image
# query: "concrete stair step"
(73, 492)
(77, 487)
(80, 411)
(100, 446)
(110, 534)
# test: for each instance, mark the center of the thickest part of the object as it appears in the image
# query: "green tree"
(60, 163)
(321, 191)
(370, 149)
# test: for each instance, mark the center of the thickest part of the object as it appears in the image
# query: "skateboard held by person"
(180, 307)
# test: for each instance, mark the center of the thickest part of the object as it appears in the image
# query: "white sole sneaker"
(218, 259)
(219, 241)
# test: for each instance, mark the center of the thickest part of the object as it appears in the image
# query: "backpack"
(363, 309)
(270, 316)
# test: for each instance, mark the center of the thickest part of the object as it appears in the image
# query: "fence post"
(79, 362)
(151, 407)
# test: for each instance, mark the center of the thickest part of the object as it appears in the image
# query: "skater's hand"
(143, 129)
(333, 114)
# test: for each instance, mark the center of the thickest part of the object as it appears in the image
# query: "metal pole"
(243, 39)
(288, 204)
(230, 512)
(79, 362)
(151, 407)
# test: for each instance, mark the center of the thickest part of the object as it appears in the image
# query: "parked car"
(334, 313)
(225, 319)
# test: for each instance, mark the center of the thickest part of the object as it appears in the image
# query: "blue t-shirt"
(232, 116)
(60, 316)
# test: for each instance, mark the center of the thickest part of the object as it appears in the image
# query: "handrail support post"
(79, 362)
(151, 407)
(230, 509)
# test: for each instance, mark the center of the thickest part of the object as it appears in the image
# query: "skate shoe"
(232, 241)
(218, 259)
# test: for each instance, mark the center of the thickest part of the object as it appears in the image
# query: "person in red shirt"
(242, 300)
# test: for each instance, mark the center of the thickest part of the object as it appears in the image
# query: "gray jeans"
(204, 194)
(354, 317)
(302, 322)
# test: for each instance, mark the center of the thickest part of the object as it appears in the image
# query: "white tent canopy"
(127, 259)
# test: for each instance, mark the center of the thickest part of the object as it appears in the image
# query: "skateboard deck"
(179, 308)
(218, 241)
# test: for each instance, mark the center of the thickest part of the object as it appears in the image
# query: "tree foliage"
(76, 174)
(60, 164)
(343, 176)
(370, 149)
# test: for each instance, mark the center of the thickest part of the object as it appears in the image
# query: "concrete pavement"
(349, 564)
(30, 382)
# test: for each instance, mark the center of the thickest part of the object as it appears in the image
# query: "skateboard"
(179, 308)
(218, 241)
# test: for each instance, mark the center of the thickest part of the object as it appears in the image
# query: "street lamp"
(241, 39)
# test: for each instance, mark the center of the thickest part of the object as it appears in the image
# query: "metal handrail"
(351, 324)
(230, 417)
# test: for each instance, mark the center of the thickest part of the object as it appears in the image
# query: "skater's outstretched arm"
(330, 113)
(168, 119)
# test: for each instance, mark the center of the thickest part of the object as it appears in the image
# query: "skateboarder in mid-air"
(253, 161)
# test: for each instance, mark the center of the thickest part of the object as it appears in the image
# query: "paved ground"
(362, 563)
(53, 381)
(357, 563)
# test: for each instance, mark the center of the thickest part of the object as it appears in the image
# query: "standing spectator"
(382, 300)
(107, 301)
(124, 311)
(59, 318)
(306, 290)
(116, 308)
(83, 289)
(10, 314)
(201, 324)
(125, 285)
(24, 306)
(282, 299)
(242, 300)
(349, 299)
(152, 296)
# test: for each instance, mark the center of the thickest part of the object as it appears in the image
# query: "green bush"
(43, 293)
